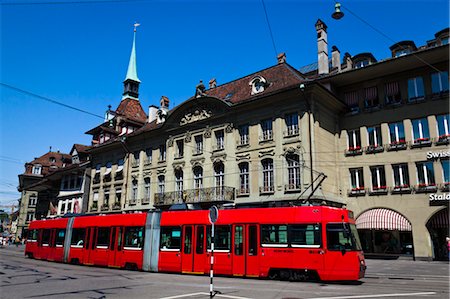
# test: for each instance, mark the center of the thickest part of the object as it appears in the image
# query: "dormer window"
(363, 59)
(258, 84)
(37, 169)
(52, 159)
(361, 63)
(403, 48)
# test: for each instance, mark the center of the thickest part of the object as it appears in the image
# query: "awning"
(108, 171)
(119, 169)
(382, 219)
(439, 220)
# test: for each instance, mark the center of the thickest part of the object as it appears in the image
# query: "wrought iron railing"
(203, 195)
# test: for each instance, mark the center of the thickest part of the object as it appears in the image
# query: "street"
(22, 277)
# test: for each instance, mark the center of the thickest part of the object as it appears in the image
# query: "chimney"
(348, 61)
(152, 112)
(161, 114)
(335, 58)
(212, 83)
(164, 102)
(322, 47)
(281, 58)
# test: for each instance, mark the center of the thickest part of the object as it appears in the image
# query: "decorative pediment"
(243, 157)
(268, 153)
(290, 150)
(196, 114)
(218, 157)
(197, 162)
(160, 171)
(178, 165)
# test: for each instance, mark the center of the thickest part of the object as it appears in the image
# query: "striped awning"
(382, 219)
(371, 93)
(351, 98)
(439, 220)
(392, 89)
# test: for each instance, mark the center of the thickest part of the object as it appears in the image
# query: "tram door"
(89, 245)
(115, 248)
(245, 250)
(193, 257)
(238, 250)
(251, 252)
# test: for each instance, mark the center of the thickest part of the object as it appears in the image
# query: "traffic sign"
(213, 214)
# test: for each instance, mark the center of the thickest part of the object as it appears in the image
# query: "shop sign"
(437, 155)
(439, 199)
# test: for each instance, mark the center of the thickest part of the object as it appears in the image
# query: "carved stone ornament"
(207, 133)
(290, 150)
(229, 128)
(199, 113)
(188, 137)
(218, 157)
(178, 166)
(170, 141)
(197, 162)
(267, 153)
(160, 171)
(147, 174)
(243, 157)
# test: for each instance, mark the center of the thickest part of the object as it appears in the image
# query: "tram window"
(200, 239)
(171, 237)
(305, 235)
(274, 235)
(103, 237)
(134, 237)
(238, 242)
(60, 236)
(45, 238)
(187, 239)
(32, 235)
(222, 237)
(78, 235)
(340, 237)
(252, 240)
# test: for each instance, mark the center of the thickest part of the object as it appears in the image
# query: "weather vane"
(136, 24)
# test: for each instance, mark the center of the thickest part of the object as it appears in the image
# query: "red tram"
(287, 243)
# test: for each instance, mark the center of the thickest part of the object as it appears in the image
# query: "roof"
(44, 160)
(278, 77)
(81, 149)
(132, 109)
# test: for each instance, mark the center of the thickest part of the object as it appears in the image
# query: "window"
(222, 237)
(439, 82)
(30, 216)
(446, 170)
(162, 153)
(392, 92)
(161, 184)
(425, 174)
(361, 63)
(32, 235)
(238, 240)
(443, 126)
(103, 237)
(274, 235)
(134, 190)
(252, 240)
(354, 140)
(291, 121)
(198, 144)
(378, 178)
(267, 132)
(244, 135)
(135, 159)
(374, 136)
(244, 178)
(187, 240)
(78, 235)
(356, 178)
(107, 174)
(147, 189)
(293, 165)
(148, 155)
(420, 130)
(95, 198)
(220, 140)
(118, 194)
(60, 236)
(258, 84)
(342, 236)
(32, 201)
(200, 239)
(415, 89)
(170, 238)
(371, 97)
(268, 184)
(396, 133)
(401, 176)
(198, 177)
(119, 170)
(180, 148)
(134, 237)
(305, 235)
(179, 182)
(37, 169)
(106, 198)
(45, 237)
(219, 179)
(352, 101)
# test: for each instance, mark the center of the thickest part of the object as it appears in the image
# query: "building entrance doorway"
(438, 227)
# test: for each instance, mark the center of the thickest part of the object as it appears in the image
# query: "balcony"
(266, 190)
(132, 201)
(266, 136)
(116, 206)
(421, 142)
(94, 207)
(353, 151)
(145, 200)
(397, 146)
(401, 189)
(197, 151)
(291, 132)
(378, 190)
(442, 140)
(373, 149)
(243, 191)
(104, 207)
(288, 188)
(357, 191)
(203, 195)
(425, 188)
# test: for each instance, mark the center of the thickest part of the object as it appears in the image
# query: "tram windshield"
(342, 236)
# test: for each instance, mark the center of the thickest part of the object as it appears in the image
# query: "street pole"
(211, 271)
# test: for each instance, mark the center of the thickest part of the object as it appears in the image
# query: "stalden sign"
(439, 199)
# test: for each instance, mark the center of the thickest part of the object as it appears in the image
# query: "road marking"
(205, 294)
(378, 296)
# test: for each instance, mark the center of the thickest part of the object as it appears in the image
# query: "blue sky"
(77, 54)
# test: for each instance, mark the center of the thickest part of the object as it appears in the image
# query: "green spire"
(132, 70)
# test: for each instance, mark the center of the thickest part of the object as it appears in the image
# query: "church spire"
(131, 83)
